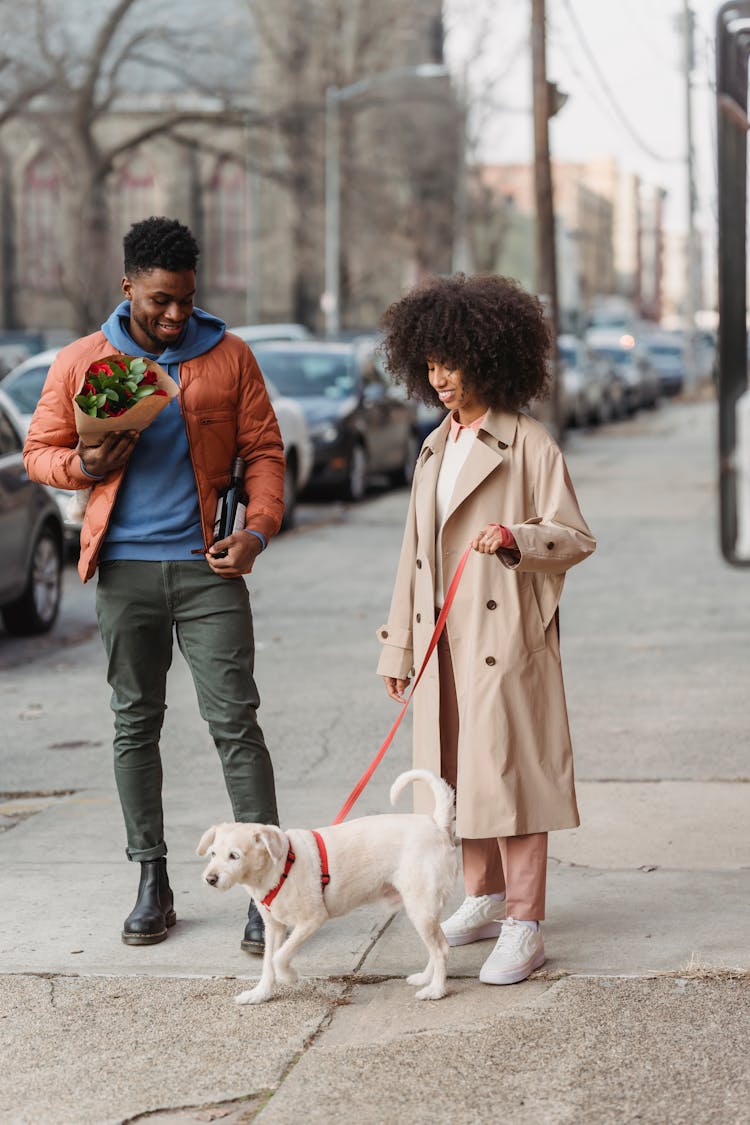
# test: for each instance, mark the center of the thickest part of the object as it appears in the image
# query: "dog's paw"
(255, 995)
(432, 992)
(420, 978)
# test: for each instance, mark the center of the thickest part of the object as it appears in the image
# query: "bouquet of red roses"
(120, 392)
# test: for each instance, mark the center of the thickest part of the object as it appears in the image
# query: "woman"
(490, 712)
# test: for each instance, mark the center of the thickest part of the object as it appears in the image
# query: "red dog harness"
(325, 878)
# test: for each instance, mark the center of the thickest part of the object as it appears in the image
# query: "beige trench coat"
(515, 764)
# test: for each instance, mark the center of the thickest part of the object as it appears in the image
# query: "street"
(641, 1012)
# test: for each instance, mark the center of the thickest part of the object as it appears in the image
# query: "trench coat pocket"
(532, 623)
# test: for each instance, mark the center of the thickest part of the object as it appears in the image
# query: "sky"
(636, 74)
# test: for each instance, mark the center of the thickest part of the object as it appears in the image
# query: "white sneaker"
(478, 917)
(519, 950)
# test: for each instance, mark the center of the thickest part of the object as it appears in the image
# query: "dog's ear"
(274, 841)
(207, 840)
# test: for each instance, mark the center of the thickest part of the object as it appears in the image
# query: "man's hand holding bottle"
(242, 549)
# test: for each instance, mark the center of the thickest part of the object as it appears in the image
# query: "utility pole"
(546, 255)
(692, 294)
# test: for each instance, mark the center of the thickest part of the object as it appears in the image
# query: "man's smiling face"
(160, 306)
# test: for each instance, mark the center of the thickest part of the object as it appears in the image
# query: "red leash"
(439, 625)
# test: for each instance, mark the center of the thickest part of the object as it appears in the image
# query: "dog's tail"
(444, 796)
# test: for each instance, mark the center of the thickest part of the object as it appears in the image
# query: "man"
(148, 528)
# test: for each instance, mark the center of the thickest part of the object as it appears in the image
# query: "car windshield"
(568, 356)
(25, 388)
(309, 374)
(672, 350)
(620, 356)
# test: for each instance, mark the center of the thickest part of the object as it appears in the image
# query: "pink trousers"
(514, 864)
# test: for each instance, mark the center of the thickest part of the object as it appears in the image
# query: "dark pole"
(546, 258)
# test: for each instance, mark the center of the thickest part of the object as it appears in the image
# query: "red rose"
(149, 379)
(88, 389)
(99, 369)
(160, 392)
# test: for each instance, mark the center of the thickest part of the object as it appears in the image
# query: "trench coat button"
(489, 660)
(502, 445)
(384, 633)
(419, 564)
(491, 604)
(419, 618)
(550, 546)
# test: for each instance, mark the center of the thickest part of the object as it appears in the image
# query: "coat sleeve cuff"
(396, 657)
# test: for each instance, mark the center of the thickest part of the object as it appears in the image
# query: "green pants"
(138, 605)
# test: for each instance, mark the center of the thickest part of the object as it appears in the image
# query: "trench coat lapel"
(487, 453)
(425, 499)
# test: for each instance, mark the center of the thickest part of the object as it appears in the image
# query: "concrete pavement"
(641, 1012)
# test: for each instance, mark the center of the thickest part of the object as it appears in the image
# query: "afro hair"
(159, 244)
(487, 327)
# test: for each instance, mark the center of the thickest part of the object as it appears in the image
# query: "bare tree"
(93, 86)
(94, 93)
(392, 142)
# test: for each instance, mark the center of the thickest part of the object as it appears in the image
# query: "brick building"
(245, 170)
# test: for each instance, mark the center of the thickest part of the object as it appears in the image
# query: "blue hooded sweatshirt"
(156, 514)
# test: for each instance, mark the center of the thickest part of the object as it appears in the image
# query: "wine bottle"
(231, 506)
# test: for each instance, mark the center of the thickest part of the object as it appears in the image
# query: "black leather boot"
(254, 940)
(153, 912)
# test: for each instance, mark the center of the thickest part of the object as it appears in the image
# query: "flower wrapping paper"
(92, 431)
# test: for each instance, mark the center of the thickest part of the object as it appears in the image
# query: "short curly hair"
(487, 327)
(159, 244)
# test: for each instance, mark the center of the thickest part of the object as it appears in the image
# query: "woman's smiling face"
(453, 392)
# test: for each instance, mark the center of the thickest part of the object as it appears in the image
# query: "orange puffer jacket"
(227, 414)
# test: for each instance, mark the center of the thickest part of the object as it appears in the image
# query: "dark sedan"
(31, 538)
(360, 425)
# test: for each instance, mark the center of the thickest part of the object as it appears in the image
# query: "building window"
(136, 193)
(227, 228)
(42, 224)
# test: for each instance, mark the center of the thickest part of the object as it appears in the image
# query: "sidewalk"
(641, 1012)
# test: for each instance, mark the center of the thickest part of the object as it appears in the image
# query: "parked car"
(584, 392)
(24, 383)
(269, 333)
(360, 424)
(298, 449)
(31, 538)
(24, 386)
(632, 366)
(667, 353)
(428, 415)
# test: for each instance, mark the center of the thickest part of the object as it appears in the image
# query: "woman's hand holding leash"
(493, 538)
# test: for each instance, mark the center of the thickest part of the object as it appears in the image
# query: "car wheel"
(290, 493)
(405, 474)
(37, 608)
(618, 407)
(356, 474)
(604, 412)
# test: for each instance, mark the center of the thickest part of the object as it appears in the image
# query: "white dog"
(405, 859)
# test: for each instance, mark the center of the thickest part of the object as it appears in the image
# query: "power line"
(623, 119)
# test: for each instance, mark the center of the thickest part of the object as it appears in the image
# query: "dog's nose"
(212, 879)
